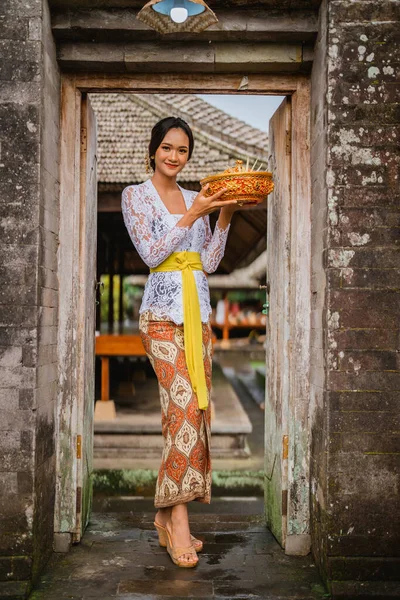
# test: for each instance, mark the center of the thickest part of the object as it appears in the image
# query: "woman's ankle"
(163, 514)
(179, 516)
(179, 511)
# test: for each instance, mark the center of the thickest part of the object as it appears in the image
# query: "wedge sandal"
(176, 552)
(162, 538)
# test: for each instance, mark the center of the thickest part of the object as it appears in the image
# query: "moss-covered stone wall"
(29, 141)
(355, 380)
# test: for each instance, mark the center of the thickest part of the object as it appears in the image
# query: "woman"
(169, 226)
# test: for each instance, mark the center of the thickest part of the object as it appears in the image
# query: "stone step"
(234, 506)
(150, 446)
(136, 434)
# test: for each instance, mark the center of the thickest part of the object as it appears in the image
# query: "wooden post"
(121, 290)
(98, 307)
(111, 286)
(104, 409)
(105, 378)
(121, 304)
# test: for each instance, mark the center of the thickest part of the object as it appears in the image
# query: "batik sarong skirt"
(185, 471)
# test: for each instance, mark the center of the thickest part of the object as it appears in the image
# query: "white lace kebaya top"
(155, 235)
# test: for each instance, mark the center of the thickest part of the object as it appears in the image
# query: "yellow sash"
(187, 262)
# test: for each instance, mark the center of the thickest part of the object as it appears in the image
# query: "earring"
(147, 163)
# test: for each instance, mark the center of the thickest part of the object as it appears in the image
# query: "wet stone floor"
(119, 557)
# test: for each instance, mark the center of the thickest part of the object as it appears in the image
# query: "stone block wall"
(29, 142)
(355, 375)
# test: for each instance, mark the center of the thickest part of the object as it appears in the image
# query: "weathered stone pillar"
(29, 138)
(355, 379)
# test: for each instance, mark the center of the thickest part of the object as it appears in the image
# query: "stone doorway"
(287, 450)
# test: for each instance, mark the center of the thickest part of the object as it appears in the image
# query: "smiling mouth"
(172, 166)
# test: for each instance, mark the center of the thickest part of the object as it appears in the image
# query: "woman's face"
(173, 153)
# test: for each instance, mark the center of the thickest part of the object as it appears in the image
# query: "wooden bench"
(115, 345)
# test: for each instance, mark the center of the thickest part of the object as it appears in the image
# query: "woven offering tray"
(245, 185)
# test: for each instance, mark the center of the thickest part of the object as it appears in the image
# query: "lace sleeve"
(153, 251)
(214, 246)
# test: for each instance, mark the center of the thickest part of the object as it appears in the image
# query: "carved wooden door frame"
(74, 86)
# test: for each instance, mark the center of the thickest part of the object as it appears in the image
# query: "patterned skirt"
(185, 471)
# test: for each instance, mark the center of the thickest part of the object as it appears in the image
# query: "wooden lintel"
(174, 83)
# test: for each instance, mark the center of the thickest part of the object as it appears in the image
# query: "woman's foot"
(164, 515)
(177, 526)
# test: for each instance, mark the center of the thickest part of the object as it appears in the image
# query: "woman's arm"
(225, 216)
(214, 244)
(152, 251)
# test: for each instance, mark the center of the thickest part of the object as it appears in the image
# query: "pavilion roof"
(124, 126)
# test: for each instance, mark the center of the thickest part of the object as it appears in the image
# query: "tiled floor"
(119, 557)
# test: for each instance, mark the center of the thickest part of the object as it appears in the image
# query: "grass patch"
(142, 482)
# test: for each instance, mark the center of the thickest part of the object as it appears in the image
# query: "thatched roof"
(124, 127)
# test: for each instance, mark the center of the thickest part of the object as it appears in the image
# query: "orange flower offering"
(243, 184)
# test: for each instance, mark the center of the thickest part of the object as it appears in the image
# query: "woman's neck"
(163, 182)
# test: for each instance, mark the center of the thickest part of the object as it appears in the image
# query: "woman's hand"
(204, 205)
(230, 209)
(226, 213)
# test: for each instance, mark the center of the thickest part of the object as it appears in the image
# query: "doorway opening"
(289, 294)
(128, 439)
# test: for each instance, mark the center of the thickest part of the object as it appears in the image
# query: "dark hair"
(161, 129)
